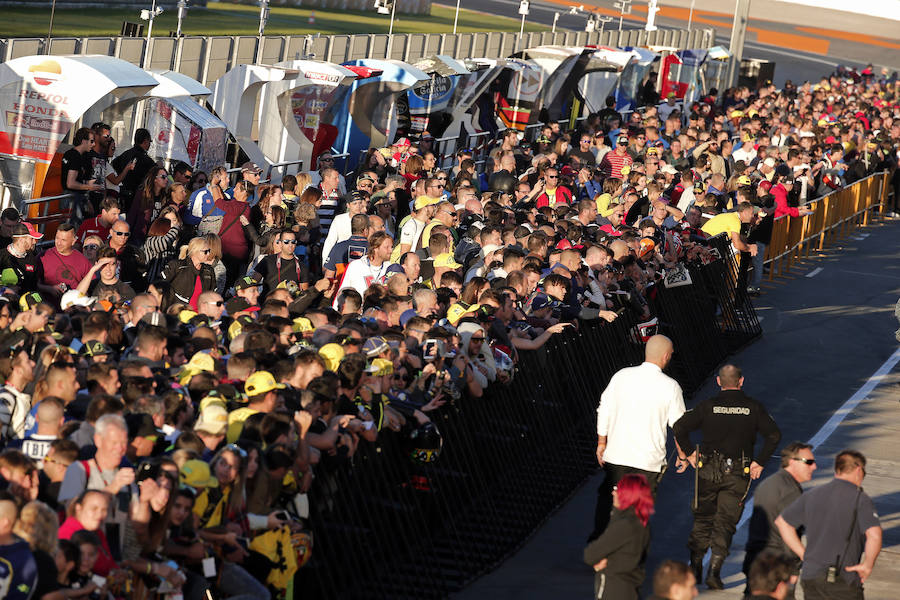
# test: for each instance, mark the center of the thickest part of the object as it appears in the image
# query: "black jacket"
(730, 422)
(143, 164)
(182, 277)
(624, 544)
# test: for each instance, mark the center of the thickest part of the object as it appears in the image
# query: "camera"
(831, 574)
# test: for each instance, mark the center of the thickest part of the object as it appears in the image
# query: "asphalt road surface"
(804, 43)
(826, 331)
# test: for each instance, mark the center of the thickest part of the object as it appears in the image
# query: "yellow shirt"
(236, 420)
(216, 516)
(604, 207)
(727, 223)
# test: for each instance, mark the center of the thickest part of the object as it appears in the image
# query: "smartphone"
(282, 516)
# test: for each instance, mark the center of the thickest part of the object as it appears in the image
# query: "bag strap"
(852, 528)
(227, 227)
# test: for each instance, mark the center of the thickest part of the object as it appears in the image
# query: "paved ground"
(824, 338)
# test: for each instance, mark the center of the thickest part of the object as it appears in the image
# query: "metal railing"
(834, 216)
(388, 527)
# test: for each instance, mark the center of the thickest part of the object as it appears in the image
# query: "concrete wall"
(208, 58)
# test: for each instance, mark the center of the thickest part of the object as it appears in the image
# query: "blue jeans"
(757, 263)
(237, 583)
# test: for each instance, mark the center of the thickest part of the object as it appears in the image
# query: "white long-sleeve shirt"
(634, 410)
(338, 232)
(360, 274)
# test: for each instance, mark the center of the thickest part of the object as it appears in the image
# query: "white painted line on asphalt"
(863, 235)
(814, 272)
(839, 415)
(882, 275)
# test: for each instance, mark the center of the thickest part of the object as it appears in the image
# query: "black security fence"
(386, 526)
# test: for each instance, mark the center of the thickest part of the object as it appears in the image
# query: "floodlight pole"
(152, 16)
(263, 18)
(738, 35)
(691, 15)
(390, 43)
(50, 31)
(182, 10)
(523, 10)
(555, 19)
(456, 18)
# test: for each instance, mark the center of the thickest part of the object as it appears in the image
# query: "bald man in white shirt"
(635, 409)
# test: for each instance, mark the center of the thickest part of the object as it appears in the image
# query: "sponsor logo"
(46, 72)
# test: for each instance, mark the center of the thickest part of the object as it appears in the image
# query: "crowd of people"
(192, 351)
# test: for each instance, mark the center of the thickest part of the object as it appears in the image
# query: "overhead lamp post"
(555, 19)
(263, 19)
(523, 10)
(149, 15)
(50, 31)
(456, 18)
(652, 9)
(182, 11)
(691, 15)
(602, 21)
(624, 7)
(387, 7)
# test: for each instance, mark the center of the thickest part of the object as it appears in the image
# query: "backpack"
(210, 224)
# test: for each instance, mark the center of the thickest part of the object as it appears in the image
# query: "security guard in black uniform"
(730, 422)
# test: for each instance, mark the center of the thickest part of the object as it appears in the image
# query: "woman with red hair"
(619, 555)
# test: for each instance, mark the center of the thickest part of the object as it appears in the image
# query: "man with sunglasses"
(283, 267)
(341, 228)
(553, 194)
(772, 496)
(841, 524)
(131, 265)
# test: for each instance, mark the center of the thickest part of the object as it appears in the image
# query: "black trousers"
(719, 507)
(819, 589)
(614, 474)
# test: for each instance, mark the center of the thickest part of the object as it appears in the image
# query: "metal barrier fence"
(206, 58)
(835, 216)
(387, 527)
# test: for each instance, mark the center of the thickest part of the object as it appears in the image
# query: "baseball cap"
(541, 301)
(790, 179)
(374, 346)
(423, 201)
(358, 196)
(699, 188)
(403, 142)
(29, 301)
(250, 167)
(25, 228)
(669, 169)
(196, 474)
(769, 162)
(261, 382)
(75, 298)
(94, 348)
(622, 140)
(246, 282)
(213, 419)
(201, 362)
(332, 355)
(744, 180)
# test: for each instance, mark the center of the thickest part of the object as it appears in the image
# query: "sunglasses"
(552, 176)
(478, 339)
(805, 461)
(91, 246)
(289, 242)
(216, 303)
(237, 450)
(122, 233)
(441, 178)
(162, 176)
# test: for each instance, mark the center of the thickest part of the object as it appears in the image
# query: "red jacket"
(563, 196)
(781, 202)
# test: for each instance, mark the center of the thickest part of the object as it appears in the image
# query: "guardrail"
(835, 216)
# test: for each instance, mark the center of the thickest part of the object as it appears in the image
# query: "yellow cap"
(260, 383)
(332, 354)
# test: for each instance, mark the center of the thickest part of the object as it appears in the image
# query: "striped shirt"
(612, 164)
(14, 407)
(328, 209)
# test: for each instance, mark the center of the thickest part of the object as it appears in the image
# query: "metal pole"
(182, 8)
(456, 17)
(521, 32)
(146, 60)
(691, 15)
(50, 31)
(555, 19)
(390, 43)
(738, 35)
(263, 18)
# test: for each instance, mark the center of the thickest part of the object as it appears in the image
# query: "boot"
(697, 565)
(713, 578)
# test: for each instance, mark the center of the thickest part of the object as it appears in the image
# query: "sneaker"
(754, 291)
